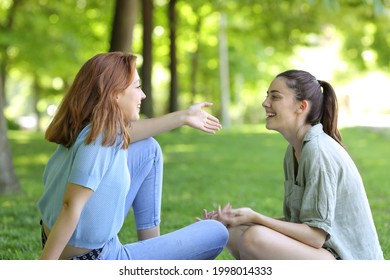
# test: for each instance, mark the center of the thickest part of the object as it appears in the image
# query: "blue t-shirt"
(102, 169)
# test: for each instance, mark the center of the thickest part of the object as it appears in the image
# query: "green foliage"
(12, 125)
(241, 165)
(54, 38)
(49, 40)
(263, 37)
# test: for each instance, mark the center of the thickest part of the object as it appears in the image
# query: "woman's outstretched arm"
(195, 116)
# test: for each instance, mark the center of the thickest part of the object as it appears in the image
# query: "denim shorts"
(333, 252)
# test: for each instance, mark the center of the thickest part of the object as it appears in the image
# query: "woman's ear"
(303, 106)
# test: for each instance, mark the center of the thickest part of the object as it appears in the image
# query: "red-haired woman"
(106, 163)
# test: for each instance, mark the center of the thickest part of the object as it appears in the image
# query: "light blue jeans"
(200, 240)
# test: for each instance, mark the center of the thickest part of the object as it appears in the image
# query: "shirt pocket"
(293, 200)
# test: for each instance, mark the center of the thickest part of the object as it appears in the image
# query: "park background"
(222, 51)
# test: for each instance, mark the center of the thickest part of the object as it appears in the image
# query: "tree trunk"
(146, 69)
(8, 180)
(3, 54)
(173, 93)
(195, 60)
(125, 18)
(224, 72)
(37, 89)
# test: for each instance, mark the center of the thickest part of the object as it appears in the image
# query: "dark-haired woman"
(106, 163)
(326, 211)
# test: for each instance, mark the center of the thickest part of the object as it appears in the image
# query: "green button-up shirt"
(328, 193)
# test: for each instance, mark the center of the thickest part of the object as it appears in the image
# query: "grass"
(239, 165)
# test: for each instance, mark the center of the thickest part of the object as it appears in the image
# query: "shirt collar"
(313, 132)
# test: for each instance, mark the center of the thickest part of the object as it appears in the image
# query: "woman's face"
(129, 100)
(281, 107)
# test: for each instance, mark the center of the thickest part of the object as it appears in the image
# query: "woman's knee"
(149, 145)
(235, 234)
(151, 142)
(219, 228)
(143, 153)
(216, 230)
(254, 238)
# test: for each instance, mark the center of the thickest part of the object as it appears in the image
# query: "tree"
(224, 71)
(8, 180)
(123, 25)
(195, 55)
(173, 93)
(147, 47)
(42, 42)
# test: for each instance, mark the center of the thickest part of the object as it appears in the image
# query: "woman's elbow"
(319, 238)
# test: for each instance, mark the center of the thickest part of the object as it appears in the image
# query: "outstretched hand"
(197, 118)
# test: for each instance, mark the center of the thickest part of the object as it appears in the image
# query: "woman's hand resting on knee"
(229, 216)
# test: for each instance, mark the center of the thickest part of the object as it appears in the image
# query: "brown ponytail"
(330, 112)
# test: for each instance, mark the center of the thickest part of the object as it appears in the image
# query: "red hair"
(91, 99)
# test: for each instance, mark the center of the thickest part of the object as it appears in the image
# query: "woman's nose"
(265, 102)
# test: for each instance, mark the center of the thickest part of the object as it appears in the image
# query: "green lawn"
(240, 165)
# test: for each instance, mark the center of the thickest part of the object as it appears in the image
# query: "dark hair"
(323, 101)
(92, 100)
